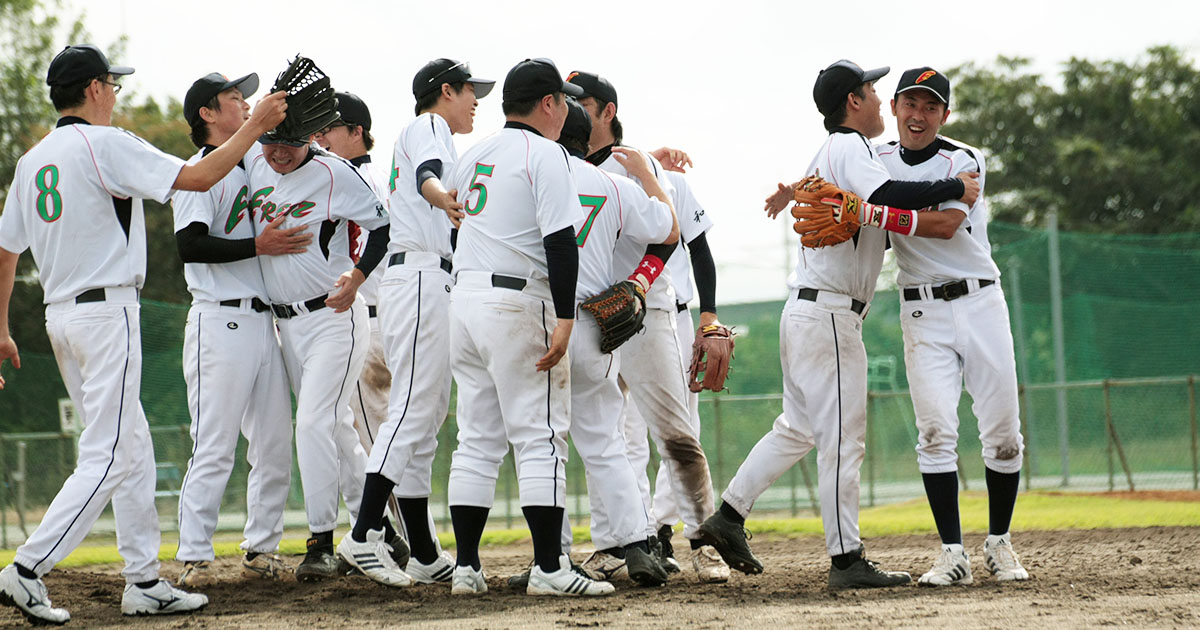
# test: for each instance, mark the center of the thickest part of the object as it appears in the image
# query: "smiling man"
(954, 306)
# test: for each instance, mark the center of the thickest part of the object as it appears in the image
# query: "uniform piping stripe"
(337, 403)
(183, 486)
(112, 454)
(411, 377)
(837, 487)
(553, 449)
(362, 404)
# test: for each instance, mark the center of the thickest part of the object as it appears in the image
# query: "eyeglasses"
(335, 126)
(115, 86)
(438, 75)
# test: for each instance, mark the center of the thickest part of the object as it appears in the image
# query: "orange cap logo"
(924, 75)
(572, 76)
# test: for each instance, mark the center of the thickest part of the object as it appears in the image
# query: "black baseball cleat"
(400, 551)
(666, 552)
(863, 573)
(320, 562)
(730, 540)
(644, 568)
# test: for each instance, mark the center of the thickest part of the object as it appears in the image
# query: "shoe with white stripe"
(1002, 561)
(468, 581)
(952, 566)
(373, 558)
(564, 582)
(160, 599)
(29, 596)
(440, 570)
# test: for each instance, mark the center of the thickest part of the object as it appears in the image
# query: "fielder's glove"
(825, 214)
(312, 105)
(619, 311)
(712, 352)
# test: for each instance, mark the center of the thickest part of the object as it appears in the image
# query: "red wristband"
(900, 221)
(647, 271)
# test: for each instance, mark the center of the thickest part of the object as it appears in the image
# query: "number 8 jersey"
(76, 202)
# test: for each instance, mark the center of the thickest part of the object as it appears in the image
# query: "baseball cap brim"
(120, 70)
(874, 75)
(247, 85)
(483, 87)
(922, 87)
(570, 89)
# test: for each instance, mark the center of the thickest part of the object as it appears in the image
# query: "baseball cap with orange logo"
(925, 78)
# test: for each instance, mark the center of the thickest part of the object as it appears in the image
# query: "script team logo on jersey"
(270, 211)
(924, 76)
(240, 203)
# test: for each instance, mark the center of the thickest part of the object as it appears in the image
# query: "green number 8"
(48, 191)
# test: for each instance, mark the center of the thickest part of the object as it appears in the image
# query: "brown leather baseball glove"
(619, 311)
(825, 214)
(712, 352)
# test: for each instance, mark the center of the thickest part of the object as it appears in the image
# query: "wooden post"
(1115, 440)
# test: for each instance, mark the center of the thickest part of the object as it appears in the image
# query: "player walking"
(75, 201)
(954, 306)
(231, 357)
(820, 332)
(414, 306)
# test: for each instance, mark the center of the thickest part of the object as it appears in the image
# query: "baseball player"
(694, 224)
(350, 138)
(820, 332)
(956, 331)
(231, 357)
(652, 369)
(75, 201)
(414, 299)
(512, 310)
(322, 322)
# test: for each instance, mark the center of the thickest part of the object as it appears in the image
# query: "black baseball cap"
(271, 137)
(840, 79)
(210, 85)
(928, 79)
(78, 62)
(535, 78)
(578, 125)
(431, 77)
(594, 86)
(353, 110)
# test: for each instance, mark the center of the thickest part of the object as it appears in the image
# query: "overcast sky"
(729, 82)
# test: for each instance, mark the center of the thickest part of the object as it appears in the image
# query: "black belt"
(258, 305)
(948, 291)
(679, 308)
(91, 295)
(508, 282)
(371, 311)
(398, 259)
(287, 311)
(811, 295)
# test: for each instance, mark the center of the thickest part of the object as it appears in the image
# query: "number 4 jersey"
(76, 202)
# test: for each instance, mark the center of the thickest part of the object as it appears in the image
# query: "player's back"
(516, 188)
(418, 226)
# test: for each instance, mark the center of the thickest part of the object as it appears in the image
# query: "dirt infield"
(1132, 578)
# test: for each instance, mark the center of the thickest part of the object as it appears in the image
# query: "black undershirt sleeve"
(662, 251)
(428, 170)
(562, 265)
(705, 270)
(197, 246)
(373, 251)
(916, 195)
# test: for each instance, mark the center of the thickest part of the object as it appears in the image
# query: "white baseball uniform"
(414, 310)
(235, 380)
(617, 209)
(824, 360)
(693, 221)
(76, 203)
(517, 188)
(962, 337)
(323, 351)
(652, 371)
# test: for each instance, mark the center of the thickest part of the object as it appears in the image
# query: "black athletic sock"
(24, 572)
(731, 514)
(251, 555)
(376, 491)
(942, 491)
(147, 584)
(696, 543)
(321, 539)
(844, 560)
(616, 552)
(545, 527)
(1002, 498)
(416, 522)
(644, 545)
(389, 532)
(468, 522)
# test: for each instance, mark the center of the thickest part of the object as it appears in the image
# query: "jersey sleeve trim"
(92, 155)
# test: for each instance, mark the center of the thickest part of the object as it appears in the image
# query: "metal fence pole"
(1108, 444)
(4, 490)
(1018, 324)
(717, 432)
(19, 477)
(1056, 326)
(1192, 410)
(870, 452)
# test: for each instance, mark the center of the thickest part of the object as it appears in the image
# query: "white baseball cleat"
(265, 566)
(440, 570)
(29, 597)
(709, 566)
(565, 582)
(160, 599)
(373, 558)
(1002, 561)
(468, 581)
(195, 574)
(605, 565)
(953, 566)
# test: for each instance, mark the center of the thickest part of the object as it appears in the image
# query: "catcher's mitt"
(311, 104)
(712, 352)
(825, 214)
(619, 311)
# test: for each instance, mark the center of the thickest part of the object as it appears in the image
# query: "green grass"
(1035, 511)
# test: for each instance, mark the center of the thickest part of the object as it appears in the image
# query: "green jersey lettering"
(235, 213)
(477, 186)
(595, 203)
(49, 201)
